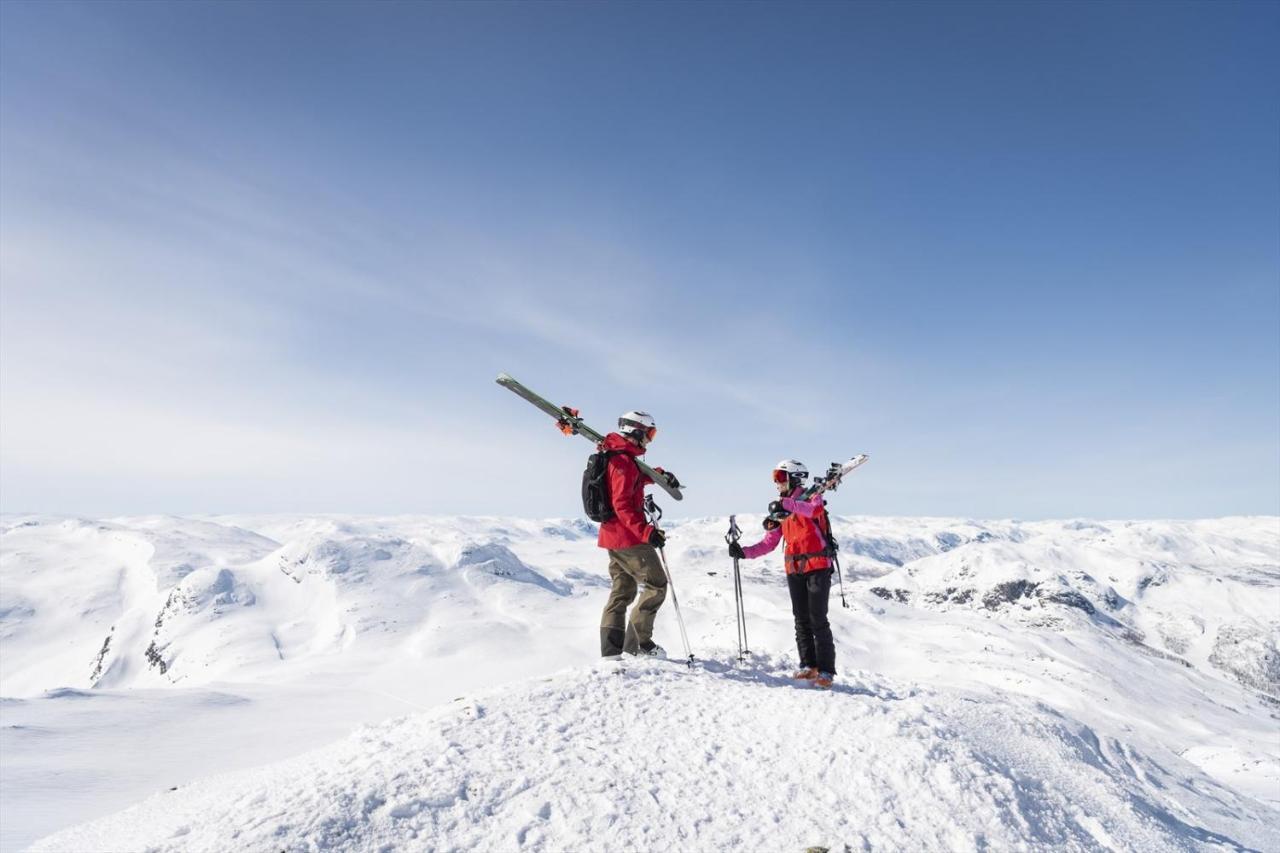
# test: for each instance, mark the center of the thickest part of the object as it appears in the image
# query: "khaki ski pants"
(629, 568)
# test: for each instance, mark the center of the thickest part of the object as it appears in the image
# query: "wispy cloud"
(261, 260)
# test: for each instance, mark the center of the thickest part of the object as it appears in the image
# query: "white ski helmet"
(639, 424)
(790, 471)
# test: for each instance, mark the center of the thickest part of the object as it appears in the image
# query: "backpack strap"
(824, 527)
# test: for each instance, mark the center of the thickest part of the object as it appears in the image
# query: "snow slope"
(659, 757)
(218, 644)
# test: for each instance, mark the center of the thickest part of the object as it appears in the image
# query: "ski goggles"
(780, 476)
(649, 432)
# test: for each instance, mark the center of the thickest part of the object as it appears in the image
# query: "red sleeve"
(623, 474)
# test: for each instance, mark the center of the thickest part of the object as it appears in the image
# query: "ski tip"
(504, 377)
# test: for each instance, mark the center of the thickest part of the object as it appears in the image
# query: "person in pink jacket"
(804, 527)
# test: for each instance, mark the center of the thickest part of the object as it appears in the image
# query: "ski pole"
(684, 635)
(836, 560)
(738, 606)
(833, 549)
(654, 514)
(744, 648)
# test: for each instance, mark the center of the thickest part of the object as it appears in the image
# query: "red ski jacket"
(628, 527)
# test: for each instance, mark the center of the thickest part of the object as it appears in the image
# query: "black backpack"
(596, 501)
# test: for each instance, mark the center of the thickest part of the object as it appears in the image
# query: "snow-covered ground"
(1005, 684)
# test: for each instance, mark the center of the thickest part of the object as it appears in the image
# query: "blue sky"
(270, 257)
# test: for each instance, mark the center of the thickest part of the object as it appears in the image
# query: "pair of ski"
(571, 422)
(829, 482)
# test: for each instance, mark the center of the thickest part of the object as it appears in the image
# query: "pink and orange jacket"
(806, 549)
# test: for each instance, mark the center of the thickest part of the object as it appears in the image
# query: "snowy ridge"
(157, 612)
(1153, 643)
(660, 757)
(1194, 591)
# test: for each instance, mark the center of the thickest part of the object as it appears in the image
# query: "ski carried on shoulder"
(829, 482)
(571, 423)
(835, 474)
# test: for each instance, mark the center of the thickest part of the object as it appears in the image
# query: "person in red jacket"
(807, 559)
(632, 543)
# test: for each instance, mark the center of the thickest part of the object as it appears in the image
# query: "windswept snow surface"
(659, 757)
(1015, 685)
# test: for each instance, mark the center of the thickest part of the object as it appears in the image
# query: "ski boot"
(651, 650)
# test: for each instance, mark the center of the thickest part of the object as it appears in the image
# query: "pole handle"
(652, 510)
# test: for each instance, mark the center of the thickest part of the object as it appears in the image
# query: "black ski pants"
(809, 594)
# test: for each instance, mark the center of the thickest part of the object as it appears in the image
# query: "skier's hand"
(735, 551)
(771, 523)
(657, 538)
(777, 510)
(671, 478)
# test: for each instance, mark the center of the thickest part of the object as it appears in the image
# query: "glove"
(735, 551)
(657, 538)
(671, 478)
(777, 510)
(771, 524)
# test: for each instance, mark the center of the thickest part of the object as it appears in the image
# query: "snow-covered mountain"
(1004, 684)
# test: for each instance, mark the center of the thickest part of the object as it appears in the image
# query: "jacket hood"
(614, 441)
